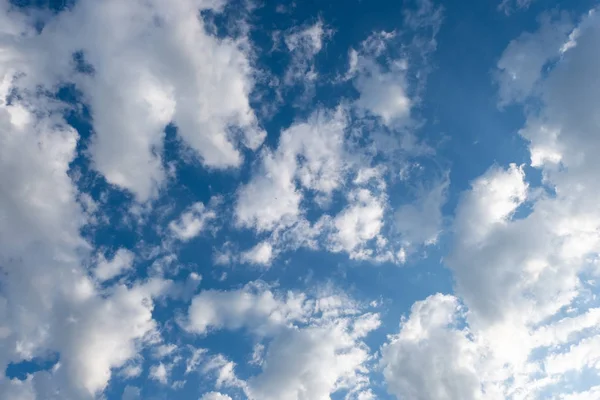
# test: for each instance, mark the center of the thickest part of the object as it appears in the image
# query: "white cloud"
(151, 65)
(215, 396)
(165, 350)
(48, 302)
(106, 334)
(192, 221)
(492, 200)
(522, 62)
(121, 261)
(309, 39)
(224, 372)
(309, 363)
(316, 345)
(379, 73)
(14, 389)
(131, 371)
(304, 44)
(590, 394)
(160, 373)
(360, 222)
(383, 93)
(522, 259)
(253, 306)
(291, 195)
(311, 153)
(430, 359)
(313, 161)
(261, 254)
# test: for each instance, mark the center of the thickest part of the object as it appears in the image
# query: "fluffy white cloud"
(107, 333)
(215, 396)
(591, 394)
(311, 153)
(160, 373)
(121, 261)
(430, 359)
(150, 66)
(315, 346)
(49, 304)
(383, 93)
(293, 195)
(165, 350)
(313, 160)
(521, 64)
(310, 363)
(492, 200)
(261, 254)
(524, 259)
(223, 370)
(192, 221)
(358, 223)
(15, 389)
(253, 306)
(379, 73)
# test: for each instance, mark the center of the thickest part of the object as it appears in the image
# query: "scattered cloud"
(121, 261)
(106, 266)
(304, 44)
(261, 254)
(510, 6)
(192, 221)
(316, 345)
(215, 396)
(160, 373)
(522, 259)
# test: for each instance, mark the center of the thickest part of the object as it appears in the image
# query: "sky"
(299, 200)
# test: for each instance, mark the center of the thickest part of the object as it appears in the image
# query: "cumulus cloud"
(342, 153)
(253, 307)
(192, 221)
(358, 223)
(430, 359)
(310, 153)
(121, 261)
(311, 362)
(261, 254)
(522, 62)
(315, 346)
(523, 259)
(383, 93)
(314, 160)
(215, 396)
(148, 65)
(160, 373)
(49, 303)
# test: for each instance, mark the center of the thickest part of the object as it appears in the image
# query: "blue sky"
(217, 200)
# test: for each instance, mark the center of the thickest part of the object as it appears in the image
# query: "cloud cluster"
(314, 344)
(116, 55)
(524, 258)
(522, 323)
(141, 66)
